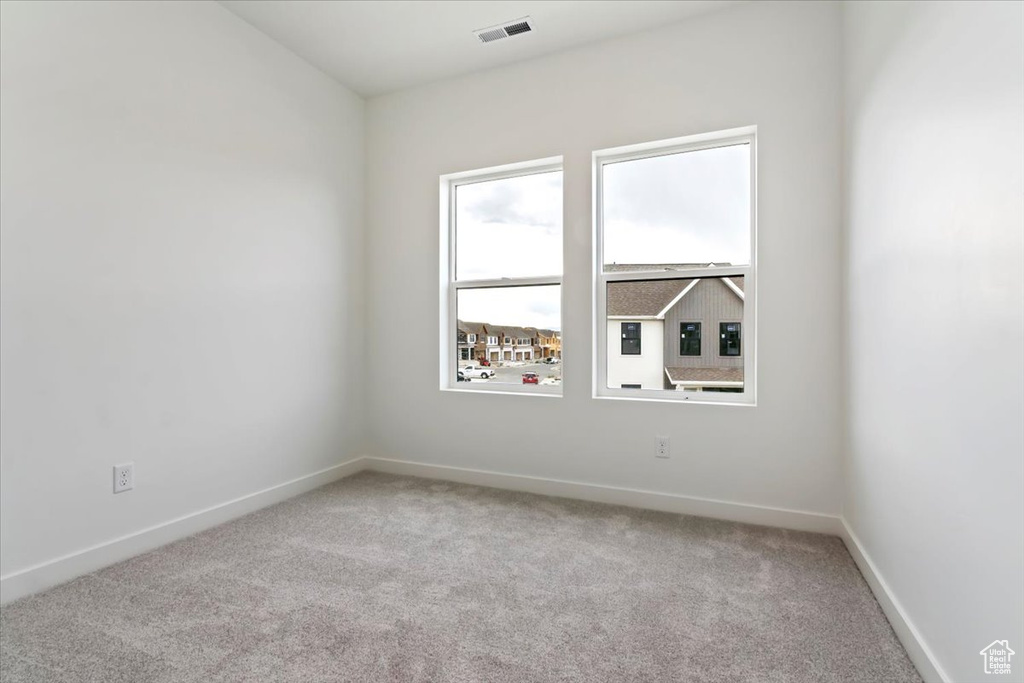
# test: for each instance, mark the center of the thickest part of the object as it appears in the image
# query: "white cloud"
(538, 306)
(691, 207)
(510, 227)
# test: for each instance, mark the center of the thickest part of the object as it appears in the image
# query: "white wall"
(181, 279)
(935, 316)
(646, 368)
(773, 65)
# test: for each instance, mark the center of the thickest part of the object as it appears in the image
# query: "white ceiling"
(375, 47)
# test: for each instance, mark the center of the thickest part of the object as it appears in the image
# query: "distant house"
(467, 337)
(548, 343)
(676, 334)
(516, 343)
(476, 341)
(484, 341)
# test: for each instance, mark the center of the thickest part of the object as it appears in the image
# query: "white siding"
(647, 368)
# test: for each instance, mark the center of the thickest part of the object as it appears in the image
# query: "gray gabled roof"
(471, 328)
(642, 297)
(709, 375)
(648, 298)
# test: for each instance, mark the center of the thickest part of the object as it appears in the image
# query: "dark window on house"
(630, 339)
(729, 339)
(689, 339)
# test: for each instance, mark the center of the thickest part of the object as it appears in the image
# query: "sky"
(510, 228)
(691, 207)
(538, 307)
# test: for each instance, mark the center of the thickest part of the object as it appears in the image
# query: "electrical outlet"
(661, 448)
(124, 477)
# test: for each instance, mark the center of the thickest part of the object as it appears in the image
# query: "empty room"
(453, 341)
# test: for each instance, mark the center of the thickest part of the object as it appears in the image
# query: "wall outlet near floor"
(124, 477)
(661, 447)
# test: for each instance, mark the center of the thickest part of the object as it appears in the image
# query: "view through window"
(675, 235)
(505, 282)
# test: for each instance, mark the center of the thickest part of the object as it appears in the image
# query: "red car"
(530, 378)
(484, 362)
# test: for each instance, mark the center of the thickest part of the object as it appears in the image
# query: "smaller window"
(689, 339)
(472, 339)
(630, 339)
(729, 340)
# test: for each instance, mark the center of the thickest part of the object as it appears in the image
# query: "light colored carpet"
(385, 578)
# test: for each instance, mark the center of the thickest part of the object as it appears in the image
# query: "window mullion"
(688, 274)
(508, 282)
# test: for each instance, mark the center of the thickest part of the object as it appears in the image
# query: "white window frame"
(601, 279)
(449, 286)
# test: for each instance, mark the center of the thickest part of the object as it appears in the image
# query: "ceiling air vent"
(509, 28)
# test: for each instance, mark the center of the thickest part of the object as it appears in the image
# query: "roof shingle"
(710, 375)
(649, 297)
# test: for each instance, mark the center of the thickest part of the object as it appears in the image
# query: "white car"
(477, 371)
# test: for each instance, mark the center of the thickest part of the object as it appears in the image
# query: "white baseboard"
(648, 500)
(917, 649)
(62, 569)
(54, 572)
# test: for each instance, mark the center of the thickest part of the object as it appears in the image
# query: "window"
(630, 339)
(501, 260)
(689, 339)
(729, 342)
(675, 247)
(471, 339)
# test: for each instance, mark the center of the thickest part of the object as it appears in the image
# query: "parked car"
(462, 377)
(473, 370)
(485, 362)
(530, 378)
(552, 360)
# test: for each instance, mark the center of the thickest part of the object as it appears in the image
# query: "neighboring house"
(467, 337)
(479, 341)
(548, 343)
(516, 343)
(676, 334)
(476, 342)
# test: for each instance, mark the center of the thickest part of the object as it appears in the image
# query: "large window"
(675, 252)
(502, 275)
(689, 339)
(631, 339)
(729, 342)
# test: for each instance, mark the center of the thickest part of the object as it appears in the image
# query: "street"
(514, 374)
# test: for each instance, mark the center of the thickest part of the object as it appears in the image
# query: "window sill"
(508, 390)
(682, 399)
